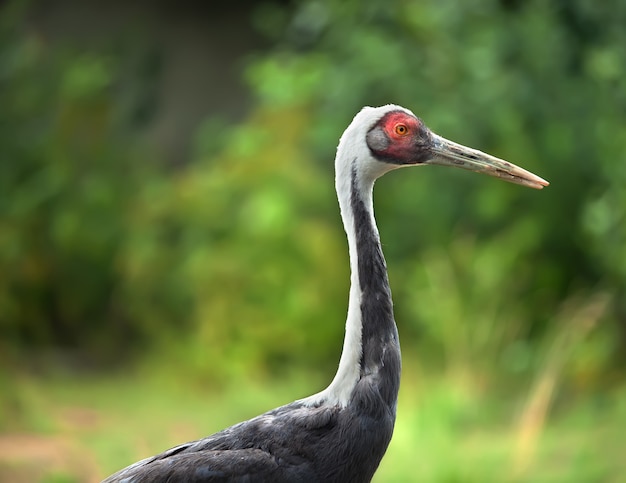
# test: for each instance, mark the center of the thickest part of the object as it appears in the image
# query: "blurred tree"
(236, 260)
(235, 239)
(66, 177)
(540, 83)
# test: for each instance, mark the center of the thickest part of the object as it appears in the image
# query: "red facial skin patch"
(400, 138)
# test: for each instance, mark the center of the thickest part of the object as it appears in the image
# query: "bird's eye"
(401, 129)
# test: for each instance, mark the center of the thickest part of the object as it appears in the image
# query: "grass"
(445, 443)
(66, 428)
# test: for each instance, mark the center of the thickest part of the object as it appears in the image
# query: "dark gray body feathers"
(293, 443)
(324, 442)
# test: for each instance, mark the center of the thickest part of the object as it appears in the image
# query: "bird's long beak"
(448, 153)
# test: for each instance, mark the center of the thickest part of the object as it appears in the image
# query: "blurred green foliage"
(236, 237)
(235, 263)
(64, 184)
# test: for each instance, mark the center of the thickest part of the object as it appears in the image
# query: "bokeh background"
(172, 258)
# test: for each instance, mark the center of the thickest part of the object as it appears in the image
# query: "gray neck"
(371, 351)
(380, 359)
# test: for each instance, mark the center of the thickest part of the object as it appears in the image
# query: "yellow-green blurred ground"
(79, 429)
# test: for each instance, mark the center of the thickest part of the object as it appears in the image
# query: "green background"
(172, 258)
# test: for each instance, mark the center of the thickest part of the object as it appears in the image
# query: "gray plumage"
(341, 433)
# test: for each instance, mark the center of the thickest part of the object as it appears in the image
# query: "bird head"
(389, 137)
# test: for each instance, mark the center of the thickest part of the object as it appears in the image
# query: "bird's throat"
(371, 351)
(380, 349)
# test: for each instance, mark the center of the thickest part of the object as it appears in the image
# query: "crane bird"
(341, 433)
